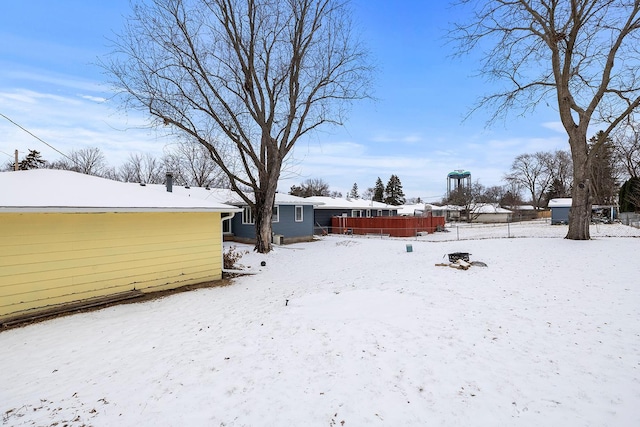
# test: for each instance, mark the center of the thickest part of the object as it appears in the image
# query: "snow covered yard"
(357, 331)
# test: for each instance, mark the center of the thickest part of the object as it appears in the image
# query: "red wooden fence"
(395, 226)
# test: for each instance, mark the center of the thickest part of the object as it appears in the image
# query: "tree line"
(247, 79)
(190, 165)
(392, 194)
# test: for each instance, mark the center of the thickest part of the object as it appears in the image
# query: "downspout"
(224, 216)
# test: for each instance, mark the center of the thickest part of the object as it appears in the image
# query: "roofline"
(110, 209)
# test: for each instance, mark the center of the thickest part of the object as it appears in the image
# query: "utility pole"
(15, 164)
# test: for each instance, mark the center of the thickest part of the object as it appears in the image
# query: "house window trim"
(247, 216)
(295, 215)
(356, 211)
(276, 210)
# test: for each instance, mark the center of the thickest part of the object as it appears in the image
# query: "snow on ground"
(357, 331)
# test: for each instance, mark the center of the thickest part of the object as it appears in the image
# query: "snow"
(326, 202)
(227, 196)
(58, 190)
(356, 331)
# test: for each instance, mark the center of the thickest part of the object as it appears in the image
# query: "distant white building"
(490, 213)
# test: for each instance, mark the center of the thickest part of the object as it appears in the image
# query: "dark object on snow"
(478, 264)
(263, 263)
(286, 302)
(459, 255)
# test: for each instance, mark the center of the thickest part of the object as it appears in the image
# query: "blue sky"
(414, 129)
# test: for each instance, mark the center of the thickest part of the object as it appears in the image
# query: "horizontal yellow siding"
(56, 258)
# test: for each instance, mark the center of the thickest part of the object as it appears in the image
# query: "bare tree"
(533, 173)
(142, 168)
(467, 197)
(256, 75)
(627, 150)
(583, 54)
(493, 194)
(561, 171)
(89, 161)
(191, 164)
(311, 187)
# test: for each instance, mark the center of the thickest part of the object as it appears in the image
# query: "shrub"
(231, 257)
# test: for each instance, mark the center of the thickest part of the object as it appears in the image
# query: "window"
(247, 215)
(275, 214)
(368, 213)
(226, 226)
(356, 213)
(379, 212)
(299, 214)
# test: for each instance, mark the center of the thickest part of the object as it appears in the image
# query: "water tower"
(457, 180)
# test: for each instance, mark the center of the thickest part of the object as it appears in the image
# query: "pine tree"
(353, 194)
(378, 191)
(33, 160)
(603, 179)
(393, 192)
(629, 197)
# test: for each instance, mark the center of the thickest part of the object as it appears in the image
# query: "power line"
(38, 138)
(6, 154)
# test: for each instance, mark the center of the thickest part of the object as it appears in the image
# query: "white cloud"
(555, 126)
(408, 139)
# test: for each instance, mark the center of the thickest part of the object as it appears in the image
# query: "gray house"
(292, 219)
(328, 207)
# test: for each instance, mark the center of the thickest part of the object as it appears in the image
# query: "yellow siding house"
(69, 237)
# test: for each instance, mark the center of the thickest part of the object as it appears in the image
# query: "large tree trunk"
(266, 195)
(263, 227)
(580, 214)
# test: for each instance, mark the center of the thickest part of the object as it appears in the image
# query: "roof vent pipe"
(169, 182)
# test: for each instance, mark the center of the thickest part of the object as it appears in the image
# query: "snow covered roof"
(419, 207)
(49, 190)
(560, 203)
(224, 195)
(488, 208)
(325, 202)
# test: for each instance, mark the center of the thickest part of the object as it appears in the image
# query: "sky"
(415, 127)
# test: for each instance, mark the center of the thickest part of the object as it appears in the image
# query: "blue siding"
(246, 231)
(323, 216)
(560, 215)
(287, 225)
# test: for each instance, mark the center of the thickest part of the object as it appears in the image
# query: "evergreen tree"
(630, 195)
(378, 191)
(603, 179)
(33, 160)
(353, 194)
(557, 190)
(393, 192)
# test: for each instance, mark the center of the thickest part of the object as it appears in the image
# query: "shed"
(70, 237)
(560, 210)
